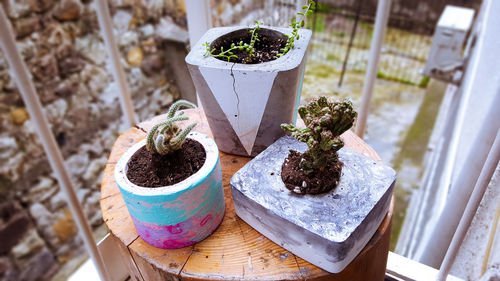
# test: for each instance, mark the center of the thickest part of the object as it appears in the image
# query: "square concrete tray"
(328, 229)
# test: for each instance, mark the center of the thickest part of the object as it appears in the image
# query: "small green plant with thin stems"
(290, 42)
(167, 137)
(228, 54)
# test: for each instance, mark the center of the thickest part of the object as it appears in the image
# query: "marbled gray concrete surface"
(329, 229)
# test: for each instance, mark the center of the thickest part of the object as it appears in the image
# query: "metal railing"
(197, 25)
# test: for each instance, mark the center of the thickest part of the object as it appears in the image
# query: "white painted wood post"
(383, 11)
(199, 20)
(471, 209)
(106, 26)
(27, 89)
(434, 249)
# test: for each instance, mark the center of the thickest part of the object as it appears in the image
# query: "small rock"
(40, 5)
(121, 21)
(69, 60)
(64, 227)
(13, 225)
(168, 30)
(77, 164)
(149, 46)
(19, 116)
(70, 65)
(135, 56)
(26, 26)
(46, 92)
(82, 194)
(128, 38)
(29, 245)
(8, 147)
(55, 111)
(38, 266)
(92, 49)
(67, 88)
(154, 9)
(123, 3)
(152, 64)
(45, 189)
(94, 169)
(45, 68)
(5, 265)
(27, 48)
(17, 9)
(68, 10)
(58, 201)
(147, 30)
(58, 36)
(42, 216)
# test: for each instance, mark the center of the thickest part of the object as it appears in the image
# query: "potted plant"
(249, 81)
(316, 199)
(171, 183)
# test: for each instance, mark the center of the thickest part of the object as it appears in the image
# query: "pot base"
(329, 229)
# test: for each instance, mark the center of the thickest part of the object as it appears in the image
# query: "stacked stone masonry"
(61, 44)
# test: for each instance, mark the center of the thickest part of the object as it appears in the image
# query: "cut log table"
(235, 251)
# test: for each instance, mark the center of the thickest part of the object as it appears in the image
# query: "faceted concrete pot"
(246, 103)
(178, 215)
(328, 230)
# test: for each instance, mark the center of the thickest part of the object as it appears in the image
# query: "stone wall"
(61, 44)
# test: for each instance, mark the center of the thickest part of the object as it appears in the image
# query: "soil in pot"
(313, 183)
(154, 170)
(266, 49)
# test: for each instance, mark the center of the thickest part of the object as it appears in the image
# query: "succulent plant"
(325, 121)
(167, 137)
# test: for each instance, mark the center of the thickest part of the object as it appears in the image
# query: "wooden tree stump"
(235, 251)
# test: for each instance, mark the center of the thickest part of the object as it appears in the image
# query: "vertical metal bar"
(351, 40)
(104, 19)
(199, 20)
(381, 20)
(30, 98)
(474, 201)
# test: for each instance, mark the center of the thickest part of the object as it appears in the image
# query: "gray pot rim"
(212, 158)
(289, 61)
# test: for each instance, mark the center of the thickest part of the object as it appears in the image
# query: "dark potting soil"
(155, 170)
(314, 183)
(266, 49)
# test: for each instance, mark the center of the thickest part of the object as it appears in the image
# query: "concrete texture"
(242, 101)
(329, 229)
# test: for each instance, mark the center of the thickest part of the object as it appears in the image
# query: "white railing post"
(474, 201)
(105, 24)
(30, 98)
(383, 11)
(199, 20)
(433, 250)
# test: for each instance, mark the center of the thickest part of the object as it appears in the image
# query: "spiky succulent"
(166, 137)
(325, 121)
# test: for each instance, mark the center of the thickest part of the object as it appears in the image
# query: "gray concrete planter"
(246, 103)
(328, 230)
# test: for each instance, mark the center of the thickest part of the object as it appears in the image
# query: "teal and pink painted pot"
(178, 215)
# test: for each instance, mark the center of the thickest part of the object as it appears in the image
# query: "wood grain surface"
(235, 251)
